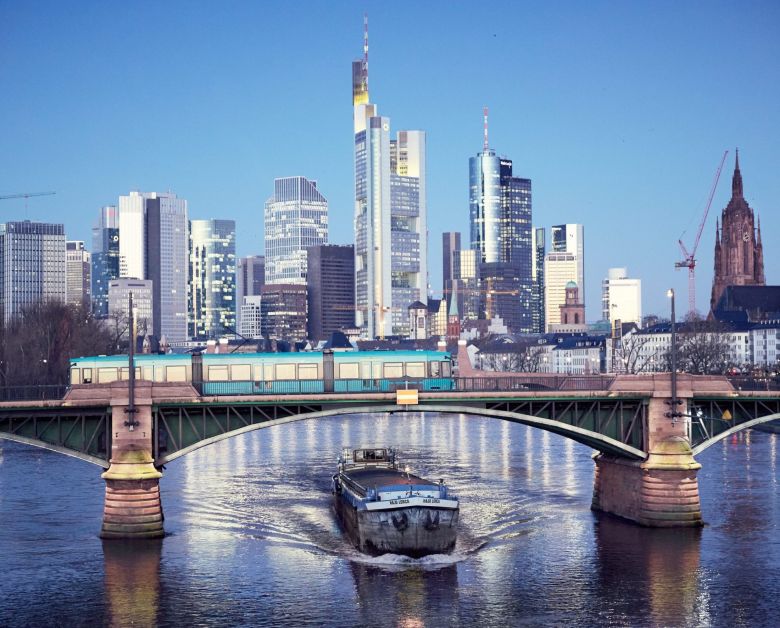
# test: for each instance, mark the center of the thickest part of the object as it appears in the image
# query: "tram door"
(327, 371)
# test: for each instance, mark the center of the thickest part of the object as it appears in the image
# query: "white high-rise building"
(570, 238)
(250, 317)
(621, 297)
(154, 245)
(296, 218)
(390, 216)
(559, 270)
(78, 280)
(119, 301)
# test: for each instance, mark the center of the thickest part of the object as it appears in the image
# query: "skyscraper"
(78, 273)
(390, 215)
(537, 281)
(331, 289)
(450, 261)
(154, 244)
(118, 302)
(296, 218)
(739, 254)
(105, 257)
(250, 278)
(560, 268)
(621, 297)
(570, 238)
(32, 265)
(283, 312)
(212, 297)
(500, 212)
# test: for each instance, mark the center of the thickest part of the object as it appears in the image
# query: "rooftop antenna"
(365, 51)
(485, 123)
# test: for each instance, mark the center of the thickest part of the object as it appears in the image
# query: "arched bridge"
(627, 421)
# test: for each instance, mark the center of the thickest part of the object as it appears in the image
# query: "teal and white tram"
(277, 373)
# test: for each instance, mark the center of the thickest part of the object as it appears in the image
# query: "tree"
(703, 347)
(38, 344)
(631, 354)
(515, 359)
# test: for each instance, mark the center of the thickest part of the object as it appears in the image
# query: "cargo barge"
(385, 510)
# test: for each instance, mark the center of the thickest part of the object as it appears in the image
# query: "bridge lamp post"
(130, 422)
(673, 414)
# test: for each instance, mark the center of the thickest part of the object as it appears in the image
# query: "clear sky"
(619, 112)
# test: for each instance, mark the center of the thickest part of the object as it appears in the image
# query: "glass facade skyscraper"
(500, 213)
(105, 258)
(212, 296)
(390, 216)
(296, 218)
(32, 265)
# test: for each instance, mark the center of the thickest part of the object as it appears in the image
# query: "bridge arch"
(32, 442)
(733, 430)
(592, 439)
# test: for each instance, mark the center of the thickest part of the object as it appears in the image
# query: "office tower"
(78, 275)
(537, 281)
(250, 276)
(560, 268)
(739, 253)
(105, 257)
(500, 213)
(570, 238)
(621, 297)
(390, 215)
(251, 317)
(331, 289)
(296, 218)
(450, 261)
(32, 265)
(283, 312)
(118, 302)
(469, 295)
(154, 244)
(212, 297)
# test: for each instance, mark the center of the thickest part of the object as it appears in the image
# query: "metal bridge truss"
(80, 432)
(181, 428)
(714, 419)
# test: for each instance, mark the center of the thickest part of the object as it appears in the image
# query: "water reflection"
(405, 597)
(659, 566)
(132, 581)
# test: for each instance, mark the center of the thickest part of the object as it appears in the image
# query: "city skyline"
(636, 153)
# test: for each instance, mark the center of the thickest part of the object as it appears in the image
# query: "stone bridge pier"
(663, 490)
(132, 505)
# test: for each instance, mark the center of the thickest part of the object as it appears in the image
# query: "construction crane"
(26, 195)
(689, 259)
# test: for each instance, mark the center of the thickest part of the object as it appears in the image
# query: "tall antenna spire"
(485, 122)
(365, 51)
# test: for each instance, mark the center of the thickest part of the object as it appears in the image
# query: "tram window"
(394, 369)
(74, 376)
(349, 371)
(148, 373)
(446, 369)
(176, 373)
(415, 369)
(86, 376)
(268, 369)
(240, 372)
(285, 371)
(218, 373)
(124, 373)
(365, 370)
(106, 375)
(258, 372)
(435, 370)
(307, 371)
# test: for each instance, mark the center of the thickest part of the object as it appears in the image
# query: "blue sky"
(619, 113)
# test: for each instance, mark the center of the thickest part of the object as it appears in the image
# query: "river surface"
(252, 538)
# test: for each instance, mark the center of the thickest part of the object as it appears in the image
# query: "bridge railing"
(534, 383)
(742, 382)
(32, 392)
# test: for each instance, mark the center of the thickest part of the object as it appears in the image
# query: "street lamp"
(673, 414)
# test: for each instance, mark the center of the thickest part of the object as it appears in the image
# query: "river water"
(252, 538)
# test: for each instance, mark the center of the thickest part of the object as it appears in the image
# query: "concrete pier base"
(660, 492)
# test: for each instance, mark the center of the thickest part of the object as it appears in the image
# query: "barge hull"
(414, 531)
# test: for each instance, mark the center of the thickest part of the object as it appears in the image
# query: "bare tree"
(631, 355)
(38, 344)
(703, 347)
(525, 359)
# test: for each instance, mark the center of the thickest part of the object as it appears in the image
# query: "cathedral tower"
(739, 255)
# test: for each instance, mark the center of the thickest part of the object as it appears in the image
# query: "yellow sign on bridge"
(404, 396)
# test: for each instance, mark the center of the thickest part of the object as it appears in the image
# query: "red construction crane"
(689, 259)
